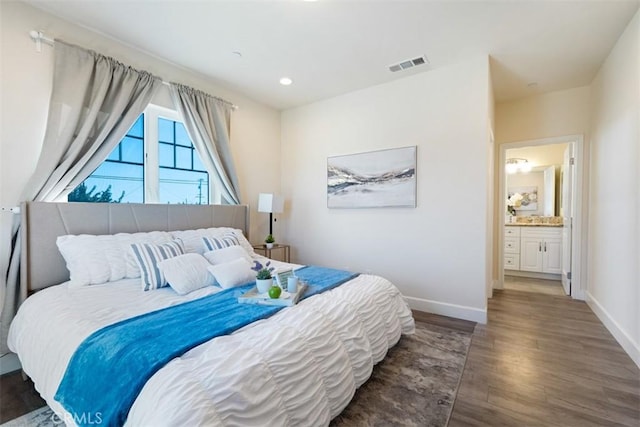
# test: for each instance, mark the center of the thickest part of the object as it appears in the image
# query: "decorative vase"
(269, 245)
(264, 285)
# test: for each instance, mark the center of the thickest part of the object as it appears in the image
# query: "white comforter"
(299, 367)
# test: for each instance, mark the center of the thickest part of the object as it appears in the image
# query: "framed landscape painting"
(375, 179)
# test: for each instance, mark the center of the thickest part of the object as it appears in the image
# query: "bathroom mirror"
(538, 190)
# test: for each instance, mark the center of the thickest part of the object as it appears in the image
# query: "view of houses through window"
(154, 163)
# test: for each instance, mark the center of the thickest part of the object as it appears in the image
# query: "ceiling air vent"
(409, 63)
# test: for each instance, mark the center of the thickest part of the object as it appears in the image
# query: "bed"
(300, 366)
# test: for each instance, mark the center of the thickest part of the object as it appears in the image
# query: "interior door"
(566, 173)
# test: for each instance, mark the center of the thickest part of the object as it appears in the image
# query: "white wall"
(543, 155)
(491, 229)
(435, 253)
(24, 95)
(564, 112)
(614, 202)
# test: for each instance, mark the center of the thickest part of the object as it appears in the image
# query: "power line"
(201, 195)
(126, 178)
(116, 178)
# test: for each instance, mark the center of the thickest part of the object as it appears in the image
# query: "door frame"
(578, 290)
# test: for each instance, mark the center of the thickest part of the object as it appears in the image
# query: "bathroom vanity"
(533, 248)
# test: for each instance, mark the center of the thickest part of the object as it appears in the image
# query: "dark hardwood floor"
(17, 397)
(541, 360)
(446, 322)
(545, 360)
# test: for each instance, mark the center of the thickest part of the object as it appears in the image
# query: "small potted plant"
(264, 280)
(269, 241)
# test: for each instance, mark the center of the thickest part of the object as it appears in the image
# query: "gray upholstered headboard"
(42, 223)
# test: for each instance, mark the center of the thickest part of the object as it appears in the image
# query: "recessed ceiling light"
(285, 81)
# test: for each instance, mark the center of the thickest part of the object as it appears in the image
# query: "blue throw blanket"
(109, 368)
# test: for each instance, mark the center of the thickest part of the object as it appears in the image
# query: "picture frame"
(529, 195)
(282, 276)
(373, 179)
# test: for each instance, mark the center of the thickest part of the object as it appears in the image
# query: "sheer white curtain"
(207, 120)
(94, 101)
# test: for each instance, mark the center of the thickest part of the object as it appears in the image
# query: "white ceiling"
(333, 47)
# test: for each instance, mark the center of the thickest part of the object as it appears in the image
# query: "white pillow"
(243, 241)
(148, 255)
(223, 255)
(92, 260)
(192, 239)
(233, 273)
(186, 273)
(216, 243)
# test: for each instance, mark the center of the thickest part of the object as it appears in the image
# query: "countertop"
(528, 224)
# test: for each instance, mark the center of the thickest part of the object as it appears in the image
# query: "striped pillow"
(148, 255)
(213, 243)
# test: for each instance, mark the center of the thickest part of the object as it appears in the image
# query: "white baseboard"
(9, 363)
(450, 310)
(632, 348)
(533, 275)
(578, 294)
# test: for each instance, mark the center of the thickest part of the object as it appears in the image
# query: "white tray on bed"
(286, 299)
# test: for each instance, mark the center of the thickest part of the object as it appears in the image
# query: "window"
(183, 178)
(155, 162)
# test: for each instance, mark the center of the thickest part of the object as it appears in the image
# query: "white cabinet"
(512, 231)
(512, 248)
(512, 261)
(541, 249)
(531, 254)
(552, 255)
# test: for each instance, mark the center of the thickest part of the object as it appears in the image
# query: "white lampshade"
(271, 203)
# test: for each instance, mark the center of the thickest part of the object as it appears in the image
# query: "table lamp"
(271, 203)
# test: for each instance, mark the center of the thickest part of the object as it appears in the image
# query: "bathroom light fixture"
(515, 164)
(285, 81)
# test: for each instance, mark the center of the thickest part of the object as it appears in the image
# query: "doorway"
(537, 286)
(564, 259)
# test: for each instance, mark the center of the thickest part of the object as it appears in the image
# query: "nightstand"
(285, 250)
